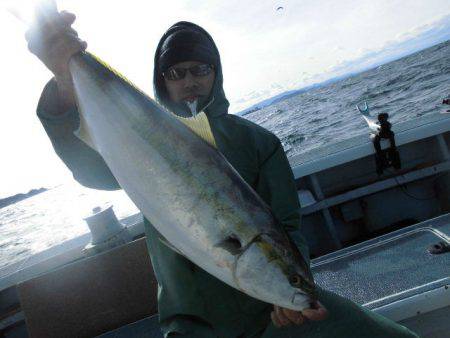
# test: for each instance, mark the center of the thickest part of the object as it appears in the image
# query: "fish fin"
(170, 246)
(199, 124)
(83, 133)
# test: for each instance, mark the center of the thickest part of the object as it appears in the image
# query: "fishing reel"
(389, 157)
(384, 158)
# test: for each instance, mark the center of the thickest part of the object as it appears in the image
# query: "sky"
(264, 52)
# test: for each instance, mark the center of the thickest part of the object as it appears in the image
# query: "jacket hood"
(217, 103)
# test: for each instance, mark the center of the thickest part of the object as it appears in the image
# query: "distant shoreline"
(4, 202)
(289, 93)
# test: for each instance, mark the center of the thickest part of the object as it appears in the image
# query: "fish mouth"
(302, 300)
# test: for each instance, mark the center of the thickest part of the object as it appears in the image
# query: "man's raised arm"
(53, 41)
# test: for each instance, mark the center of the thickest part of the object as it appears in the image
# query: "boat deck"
(376, 274)
(373, 273)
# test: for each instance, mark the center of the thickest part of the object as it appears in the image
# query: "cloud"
(416, 39)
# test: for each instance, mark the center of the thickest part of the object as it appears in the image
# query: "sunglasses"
(176, 73)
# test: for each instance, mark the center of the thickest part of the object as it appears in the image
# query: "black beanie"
(186, 41)
(187, 44)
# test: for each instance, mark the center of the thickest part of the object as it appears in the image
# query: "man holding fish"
(193, 303)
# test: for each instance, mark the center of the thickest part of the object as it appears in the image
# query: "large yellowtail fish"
(187, 189)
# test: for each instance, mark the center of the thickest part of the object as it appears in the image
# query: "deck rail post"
(325, 212)
(443, 147)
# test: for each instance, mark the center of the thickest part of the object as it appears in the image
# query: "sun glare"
(25, 10)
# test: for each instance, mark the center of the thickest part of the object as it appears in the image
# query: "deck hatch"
(386, 268)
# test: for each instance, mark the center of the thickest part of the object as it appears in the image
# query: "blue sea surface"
(406, 89)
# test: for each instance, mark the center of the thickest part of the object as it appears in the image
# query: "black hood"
(216, 104)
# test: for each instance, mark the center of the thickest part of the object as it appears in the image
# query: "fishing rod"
(365, 112)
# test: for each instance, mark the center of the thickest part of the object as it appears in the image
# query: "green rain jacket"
(192, 303)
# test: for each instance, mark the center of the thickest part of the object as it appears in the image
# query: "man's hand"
(284, 317)
(54, 42)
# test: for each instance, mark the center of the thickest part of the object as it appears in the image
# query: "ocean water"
(52, 217)
(406, 89)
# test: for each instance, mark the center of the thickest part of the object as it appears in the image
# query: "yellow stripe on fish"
(199, 124)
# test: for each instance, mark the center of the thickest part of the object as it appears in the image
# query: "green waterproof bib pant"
(191, 302)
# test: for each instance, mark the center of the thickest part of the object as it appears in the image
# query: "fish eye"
(295, 280)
